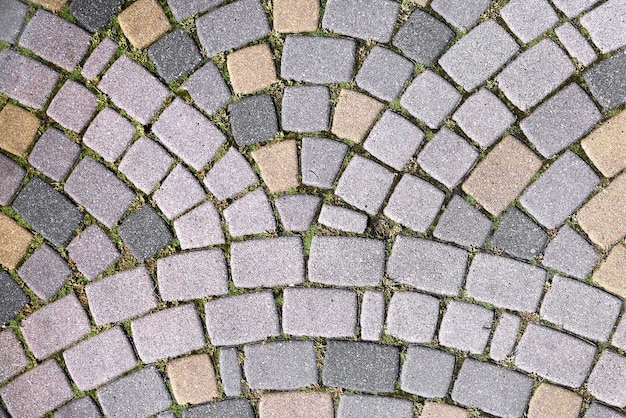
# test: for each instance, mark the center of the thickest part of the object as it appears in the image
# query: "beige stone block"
(296, 15)
(18, 128)
(551, 401)
(14, 242)
(442, 410)
(296, 405)
(611, 275)
(54, 5)
(251, 69)
(278, 164)
(606, 145)
(355, 113)
(143, 22)
(193, 379)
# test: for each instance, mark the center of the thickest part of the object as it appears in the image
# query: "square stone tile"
(296, 404)
(570, 253)
(94, 15)
(297, 211)
(384, 73)
(354, 115)
(462, 14)
(606, 25)
(412, 317)
(25, 79)
(193, 379)
(605, 381)
(92, 251)
(18, 128)
(296, 15)
(373, 20)
(175, 55)
(466, 327)
(606, 81)
(253, 119)
(44, 272)
(412, 193)
(305, 109)
(12, 19)
(610, 275)
(14, 242)
(145, 164)
(143, 22)
(602, 218)
(73, 106)
(519, 236)
(278, 164)
(109, 134)
(178, 192)
(605, 146)
(11, 177)
(200, 227)
(528, 19)
(99, 58)
(13, 353)
(54, 154)
(423, 37)
(144, 233)
(231, 175)
(427, 372)
(249, 215)
(462, 224)
(576, 44)
(207, 88)
(364, 184)
(321, 160)
(251, 69)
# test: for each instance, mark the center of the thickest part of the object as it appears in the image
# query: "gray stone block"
(73, 106)
(180, 191)
(54, 154)
(576, 44)
(528, 19)
(466, 327)
(26, 80)
(305, 109)
(372, 317)
(619, 337)
(384, 73)
(427, 372)
(12, 298)
(412, 317)
(12, 19)
(462, 14)
(182, 9)
(571, 8)
(253, 119)
(175, 55)
(79, 408)
(606, 382)
(357, 406)
(228, 408)
(231, 175)
(11, 177)
(426, 89)
(297, 211)
(230, 371)
(423, 37)
(44, 272)
(373, 20)
(250, 214)
(145, 164)
(462, 224)
(606, 25)
(343, 219)
(145, 233)
(504, 337)
(201, 227)
(94, 15)
(597, 410)
(13, 354)
(321, 159)
(519, 236)
(606, 81)
(109, 134)
(207, 88)
(99, 58)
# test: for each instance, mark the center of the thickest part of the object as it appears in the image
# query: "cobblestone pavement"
(287, 208)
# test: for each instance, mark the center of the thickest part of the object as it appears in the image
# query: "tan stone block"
(551, 401)
(606, 145)
(143, 22)
(441, 410)
(54, 5)
(296, 405)
(18, 128)
(193, 379)
(251, 69)
(278, 163)
(611, 275)
(296, 15)
(502, 175)
(603, 218)
(14, 242)
(354, 115)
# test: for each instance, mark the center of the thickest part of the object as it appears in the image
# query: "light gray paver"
(384, 73)
(26, 80)
(571, 8)
(344, 219)
(619, 337)
(230, 175)
(100, 359)
(13, 355)
(230, 371)
(576, 44)
(305, 109)
(84, 407)
(372, 316)
(427, 372)
(12, 19)
(240, 408)
(144, 233)
(412, 316)
(462, 14)
(519, 235)
(182, 9)
(462, 224)
(99, 58)
(606, 382)
(597, 410)
(179, 191)
(11, 177)
(427, 265)
(552, 354)
(250, 214)
(528, 19)
(280, 365)
(73, 106)
(54, 154)
(504, 337)
(346, 261)
(560, 190)
(207, 88)
(145, 164)
(200, 227)
(192, 275)
(109, 134)
(241, 319)
(373, 20)
(329, 313)
(297, 211)
(489, 280)
(606, 81)
(466, 327)
(606, 25)
(493, 389)
(44, 272)
(356, 406)
(423, 37)
(321, 160)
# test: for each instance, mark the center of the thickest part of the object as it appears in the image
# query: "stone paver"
(296, 15)
(54, 154)
(436, 410)
(343, 219)
(182, 9)
(519, 236)
(423, 37)
(606, 25)
(180, 191)
(306, 109)
(576, 44)
(320, 160)
(251, 69)
(99, 57)
(430, 98)
(14, 242)
(192, 275)
(372, 316)
(12, 353)
(610, 274)
(354, 406)
(466, 327)
(364, 184)
(427, 372)
(231, 175)
(278, 164)
(223, 409)
(297, 211)
(570, 253)
(604, 145)
(504, 337)
(354, 114)
(109, 134)
(81, 407)
(12, 20)
(606, 382)
(26, 80)
(143, 22)
(384, 73)
(414, 203)
(250, 215)
(296, 404)
(528, 19)
(373, 20)
(73, 106)
(230, 371)
(18, 128)
(551, 400)
(462, 14)
(412, 317)
(597, 410)
(462, 224)
(200, 227)
(207, 88)
(193, 379)
(144, 233)
(175, 55)
(606, 81)
(44, 272)
(94, 16)
(145, 164)
(571, 8)
(54, 5)
(11, 177)
(253, 119)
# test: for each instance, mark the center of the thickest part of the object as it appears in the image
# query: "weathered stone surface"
(343, 219)
(179, 192)
(606, 25)
(519, 235)
(320, 160)
(462, 14)
(427, 372)
(99, 57)
(364, 184)
(426, 88)
(570, 253)
(144, 233)
(145, 164)
(54, 154)
(606, 81)
(414, 203)
(231, 175)
(44, 272)
(207, 88)
(297, 211)
(355, 406)
(606, 382)
(606, 147)
(253, 119)
(466, 327)
(296, 405)
(611, 274)
(11, 177)
(25, 79)
(143, 22)
(552, 401)
(14, 242)
(296, 15)
(384, 73)
(528, 19)
(504, 337)
(354, 114)
(109, 134)
(249, 215)
(73, 106)
(12, 353)
(373, 20)
(602, 218)
(223, 409)
(462, 224)
(305, 109)
(412, 316)
(423, 37)
(18, 128)
(193, 379)
(175, 55)
(251, 69)
(576, 44)
(372, 316)
(278, 164)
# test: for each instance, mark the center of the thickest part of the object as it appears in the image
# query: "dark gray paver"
(139, 394)
(175, 55)
(179, 191)
(462, 224)
(145, 164)
(99, 190)
(518, 235)
(580, 308)
(372, 315)
(423, 37)
(305, 109)
(483, 117)
(492, 388)
(478, 55)
(100, 359)
(99, 58)
(92, 251)
(329, 313)
(534, 74)
(200, 227)
(297, 211)
(94, 15)
(597, 410)
(425, 90)
(364, 184)
(55, 326)
(232, 26)
(228, 408)
(11, 177)
(552, 354)
(462, 14)
(447, 157)
(545, 127)
(48, 211)
(560, 190)
(109, 134)
(570, 253)
(393, 140)
(489, 280)
(571, 8)
(188, 133)
(412, 316)
(168, 333)
(12, 298)
(373, 20)
(54, 154)
(427, 265)
(230, 371)
(26, 80)
(12, 19)
(318, 59)
(466, 327)
(134, 89)
(207, 88)
(576, 44)
(528, 19)
(414, 203)
(249, 215)
(84, 407)
(356, 406)
(280, 365)
(13, 355)
(427, 372)
(121, 296)
(55, 39)
(145, 233)
(384, 73)
(346, 261)
(253, 119)
(267, 262)
(73, 106)
(321, 159)
(606, 382)
(44, 272)
(605, 80)
(230, 175)
(192, 275)
(606, 25)
(241, 319)
(344, 219)
(182, 9)
(504, 337)
(37, 391)
(361, 366)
